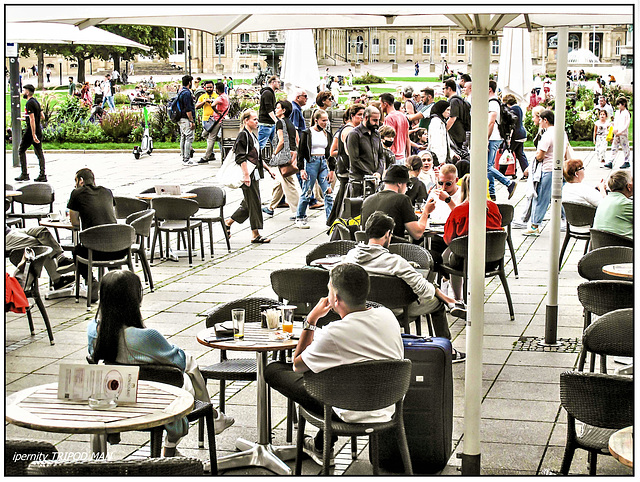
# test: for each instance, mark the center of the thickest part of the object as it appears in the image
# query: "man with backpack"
(459, 122)
(184, 111)
(500, 128)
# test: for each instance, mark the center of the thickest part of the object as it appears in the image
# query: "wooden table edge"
(232, 346)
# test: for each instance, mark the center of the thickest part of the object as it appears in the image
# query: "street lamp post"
(60, 71)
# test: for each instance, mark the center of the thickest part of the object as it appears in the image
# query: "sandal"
(260, 240)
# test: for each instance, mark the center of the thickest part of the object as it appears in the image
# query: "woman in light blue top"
(117, 335)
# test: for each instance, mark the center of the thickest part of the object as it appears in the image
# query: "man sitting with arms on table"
(615, 212)
(362, 334)
(393, 201)
(94, 206)
(376, 259)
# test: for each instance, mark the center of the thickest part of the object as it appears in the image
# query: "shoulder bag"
(283, 157)
(230, 173)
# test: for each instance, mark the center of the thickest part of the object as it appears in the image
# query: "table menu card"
(79, 382)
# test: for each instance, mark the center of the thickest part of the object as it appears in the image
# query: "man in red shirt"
(401, 146)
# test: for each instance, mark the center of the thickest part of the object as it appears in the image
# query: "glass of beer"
(287, 318)
(237, 315)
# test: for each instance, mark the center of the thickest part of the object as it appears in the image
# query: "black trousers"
(281, 377)
(25, 143)
(518, 151)
(83, 252)
(338, 200)
(250, 207)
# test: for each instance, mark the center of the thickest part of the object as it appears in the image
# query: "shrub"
(119, 125)
(531, 128)
(163, 129)
(70, 109)
(588, 104)
(159, 97)
(120, 99)
(583, 93)
(368, 78)
(583, 129)
(78, 131)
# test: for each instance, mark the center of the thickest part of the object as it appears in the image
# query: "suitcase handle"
(416, 337)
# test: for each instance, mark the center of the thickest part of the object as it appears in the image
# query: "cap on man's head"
(397, 174)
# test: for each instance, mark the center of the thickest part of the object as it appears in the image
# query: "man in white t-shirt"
(361, 335)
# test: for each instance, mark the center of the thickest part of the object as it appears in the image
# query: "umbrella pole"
(551, 320)
(16, 126)
(476, 258)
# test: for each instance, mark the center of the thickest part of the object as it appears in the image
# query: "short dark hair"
(322, 97)
(206, 82)
(548, 115)
(429, 91)
(219, 87)
(355, 108)
(186, 79)
(451, 84)
(414, 163)
(622, 100)
(87, 176)
(493, 85)
(465, 77)
(272, 78)
(286, 106)
(378, 224)
(29, 87)
(351, 284)
(387, 98)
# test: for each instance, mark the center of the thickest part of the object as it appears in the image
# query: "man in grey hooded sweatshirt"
(375, 258)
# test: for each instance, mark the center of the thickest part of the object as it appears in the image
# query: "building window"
(375, 46)
(443, 46)
(220, 46)
(359, 44)
(495, 47)
(594, 48)
(177, 43)
(460, 46)
(574, 42)
(244, 37)
(409, 46)
(618, 47)
(426, 46)
(392, 46)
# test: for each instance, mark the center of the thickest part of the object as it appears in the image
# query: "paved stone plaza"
(523, 425)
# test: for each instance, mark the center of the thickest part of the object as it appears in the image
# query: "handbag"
(230, 173)
(209, 124)
(283, 157)
(507, 158)
(288, 170)
(610, 134)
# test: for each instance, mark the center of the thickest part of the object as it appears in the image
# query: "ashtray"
(279, 336)
(102, 403)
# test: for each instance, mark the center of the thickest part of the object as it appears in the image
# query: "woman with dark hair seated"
(416, 189)
(117, 335)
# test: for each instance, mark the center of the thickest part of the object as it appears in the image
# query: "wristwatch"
(447, 199)
(308, 326)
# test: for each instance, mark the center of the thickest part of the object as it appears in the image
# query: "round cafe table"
(619, 270)
(39, 408)
(621, 446)
(12, 193)
(153, 195)
(260, 453)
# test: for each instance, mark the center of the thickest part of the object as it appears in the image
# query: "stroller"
(146, 144)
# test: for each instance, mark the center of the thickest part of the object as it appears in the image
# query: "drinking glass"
(287, 318)
(237, 315)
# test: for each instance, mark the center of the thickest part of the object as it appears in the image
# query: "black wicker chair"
(27, 451)
(578, 216)
(364, 386)
(174, 215)
(106, 238)
(612, 334)
(339, 248)
(394, 293)
(126, 205)
(414, 254)
(37, 194)
(212, 197)
(507, 213)
(591, 264)
(141, 223)
(177, 466)
(604, 403)
(600, 239)
(302, 287)
(494, 261)
(30, 285)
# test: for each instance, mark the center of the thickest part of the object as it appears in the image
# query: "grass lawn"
(412, 79)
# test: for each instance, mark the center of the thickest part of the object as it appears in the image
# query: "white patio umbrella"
(57, 33)
(481, 24)
(299, 63)
(515, 71)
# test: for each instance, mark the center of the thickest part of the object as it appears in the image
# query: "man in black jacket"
(187, 120)
(266, 115)
(365, 149)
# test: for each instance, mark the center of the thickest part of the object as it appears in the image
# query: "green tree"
(158, 38)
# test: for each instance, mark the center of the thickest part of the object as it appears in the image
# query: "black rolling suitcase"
(428, 408)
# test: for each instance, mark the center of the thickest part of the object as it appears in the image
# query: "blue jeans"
(266, 132)
(316, 169)
(109, 101)
(492, 172)
(541, 203)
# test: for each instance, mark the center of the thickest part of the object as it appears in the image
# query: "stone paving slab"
(523, 428)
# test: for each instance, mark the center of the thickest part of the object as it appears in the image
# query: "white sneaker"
(190, 162)
(302, 224)
(518, 225)
(223, 422)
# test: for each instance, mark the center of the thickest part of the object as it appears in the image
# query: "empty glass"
(237, 315)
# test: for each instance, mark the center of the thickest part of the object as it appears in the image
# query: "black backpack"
(508, 120)
(465, 118)
(174, 108)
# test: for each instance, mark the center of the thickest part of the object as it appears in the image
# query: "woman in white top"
(438, 136)
(621, 134)
(575, 190)
(600, 132)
